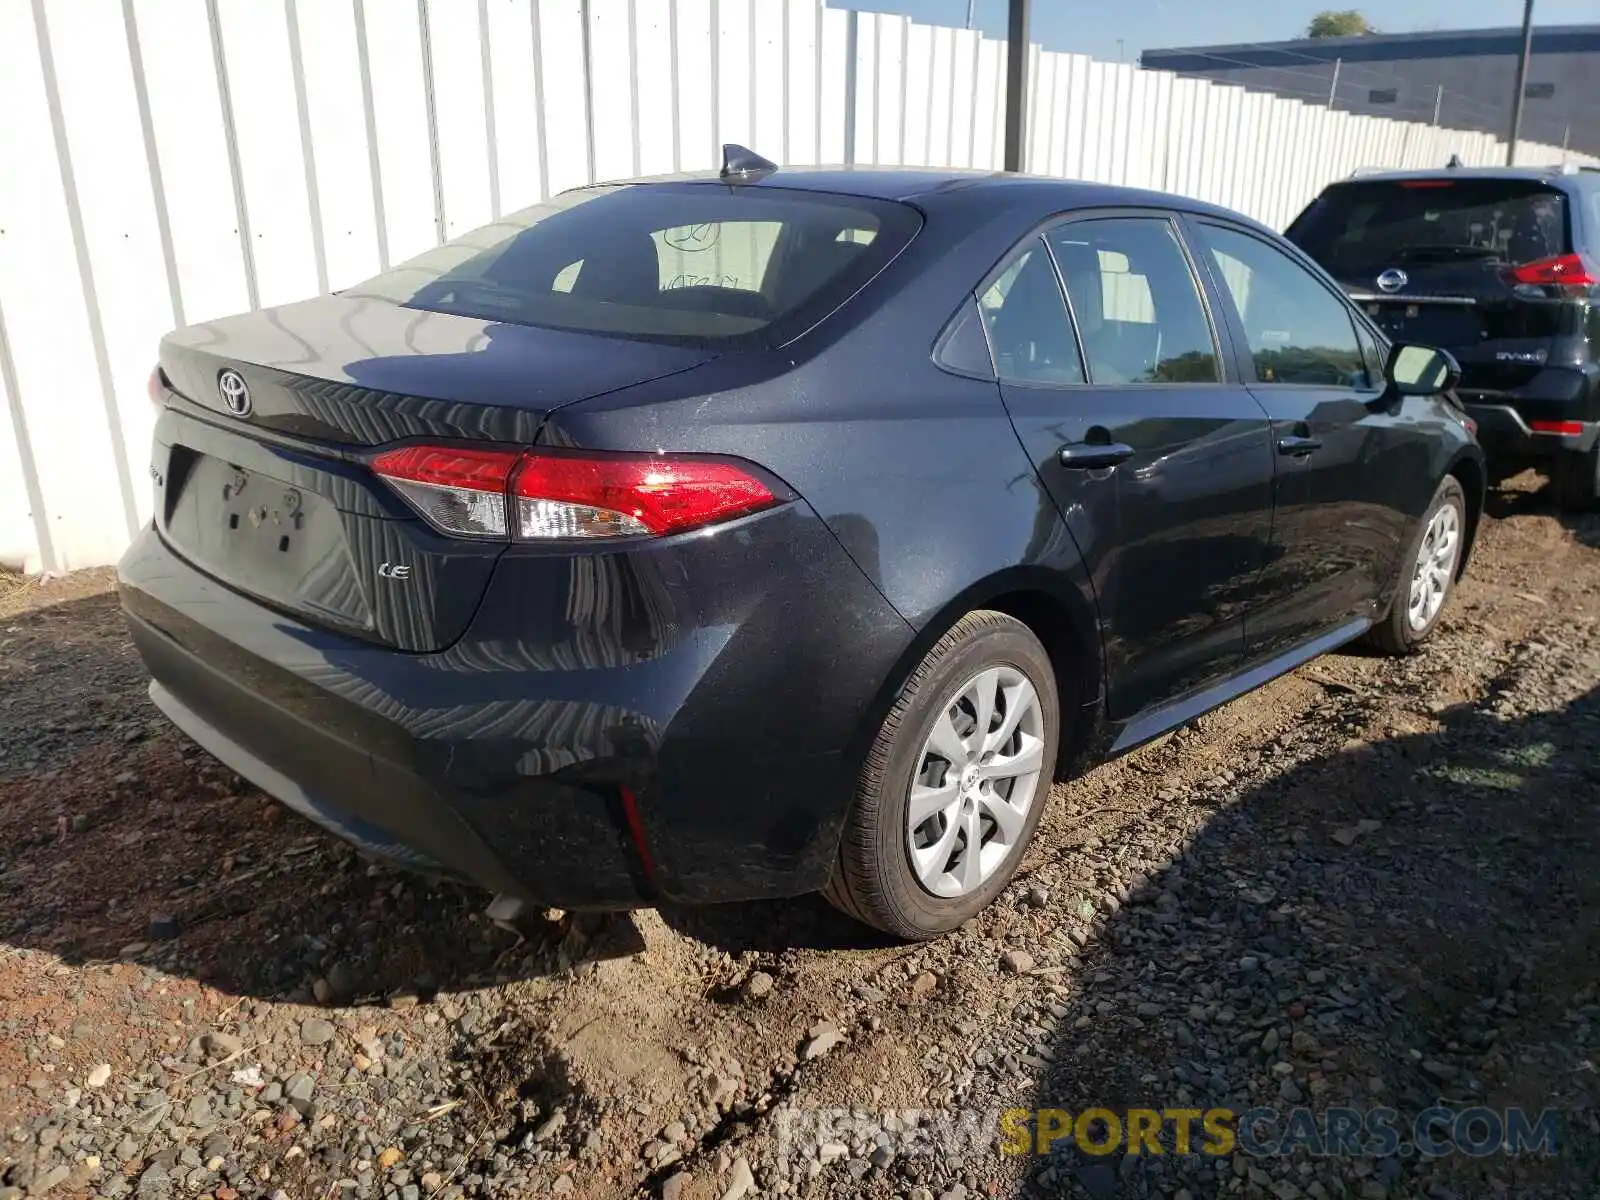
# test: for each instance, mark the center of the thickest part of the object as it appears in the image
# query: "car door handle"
(1084, 455)
(1298, 447)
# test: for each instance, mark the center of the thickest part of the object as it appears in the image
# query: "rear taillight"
(555, 495)
(1567, 270)
(459, 491)
(561, 496)
(156, 386)
(1563, 427)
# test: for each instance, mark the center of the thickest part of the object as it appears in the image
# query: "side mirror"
(1421, 370)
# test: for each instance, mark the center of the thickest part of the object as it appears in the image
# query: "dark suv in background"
(1502, 268)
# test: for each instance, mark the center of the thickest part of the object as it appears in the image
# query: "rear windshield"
(1358, 226)
(679, 263)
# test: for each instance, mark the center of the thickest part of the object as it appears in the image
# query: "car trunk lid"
(359, 371)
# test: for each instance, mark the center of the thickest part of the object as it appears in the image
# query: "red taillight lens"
(1568, 427)
(459, 491)
(1571, 270)
(541, 496)
(156, 386)
(581, 496)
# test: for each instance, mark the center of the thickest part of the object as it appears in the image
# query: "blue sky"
(1093, 26)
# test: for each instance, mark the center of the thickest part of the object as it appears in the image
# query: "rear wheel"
(1577, 480)
(954, 784)
(1433, 561)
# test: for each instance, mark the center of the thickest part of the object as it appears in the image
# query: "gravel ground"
(1372, 883)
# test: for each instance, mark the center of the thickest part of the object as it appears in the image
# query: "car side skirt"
(1157, 720)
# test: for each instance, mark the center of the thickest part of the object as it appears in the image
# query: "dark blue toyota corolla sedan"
(778, 530)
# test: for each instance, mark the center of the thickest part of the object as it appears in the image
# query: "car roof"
(926, 187)
(1555, 176)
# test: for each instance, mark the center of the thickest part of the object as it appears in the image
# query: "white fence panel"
(937, 151)
(454, 59)
(51, 325)
(515, 93)
(336, 126)
(916, 125)
(836, 108)
(313, 142)
(122, 261)
(566, 98)
(612, 78)
(259, 98)
(889, 101)
(769, 80)
(803, 60)
(735, 72)
(986, 150)
(697, 90)
(187, 133)
(403, 126)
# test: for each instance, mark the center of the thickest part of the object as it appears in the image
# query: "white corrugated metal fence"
(168, 161)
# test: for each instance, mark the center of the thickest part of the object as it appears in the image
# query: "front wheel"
(954, 784)
(1429, 576)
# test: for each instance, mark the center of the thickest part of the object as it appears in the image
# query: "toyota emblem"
(235, 392)
(1393, 280)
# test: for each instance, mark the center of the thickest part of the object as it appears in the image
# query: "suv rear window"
(1360, 226)
(681, 263)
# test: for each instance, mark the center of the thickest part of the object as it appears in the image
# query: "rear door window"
(1361, 227)
(1026, 320)
(1135, 300)
(686, 263)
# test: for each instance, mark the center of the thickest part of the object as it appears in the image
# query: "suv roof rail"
(1360, 171)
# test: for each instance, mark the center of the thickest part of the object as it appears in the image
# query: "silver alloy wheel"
(976, 779)
(1435, 567)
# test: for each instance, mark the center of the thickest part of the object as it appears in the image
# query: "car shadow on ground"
(122, 840)
(1531, 493)
(1404, 923)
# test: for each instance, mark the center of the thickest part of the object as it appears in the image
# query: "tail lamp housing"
(1564, 428)
(156, 387)
(1564, 270)
(560, 495)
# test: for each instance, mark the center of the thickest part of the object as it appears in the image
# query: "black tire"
(873, 879)
(1394, 633)
(1576, 480)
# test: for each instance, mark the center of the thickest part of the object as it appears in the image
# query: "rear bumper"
(1506, 435)
(1507, 419)
(605, 734)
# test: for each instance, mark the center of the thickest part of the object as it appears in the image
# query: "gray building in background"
(1461, 78)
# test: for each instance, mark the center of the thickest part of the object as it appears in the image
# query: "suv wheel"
(954, 784)
(1429, 576)
(1577, 480)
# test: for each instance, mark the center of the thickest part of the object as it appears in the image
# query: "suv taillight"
(156, 387)
(1567, 270)
(543, 495)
